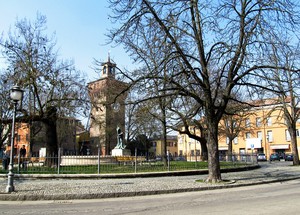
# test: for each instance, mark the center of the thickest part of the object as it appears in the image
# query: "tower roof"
(108, 68)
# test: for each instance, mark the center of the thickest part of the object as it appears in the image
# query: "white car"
(261, 157)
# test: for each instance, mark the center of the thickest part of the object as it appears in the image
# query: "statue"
(120, 144)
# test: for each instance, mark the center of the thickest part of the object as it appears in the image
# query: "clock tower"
(107, 96)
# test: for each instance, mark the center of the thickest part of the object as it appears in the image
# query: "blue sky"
(79, 26)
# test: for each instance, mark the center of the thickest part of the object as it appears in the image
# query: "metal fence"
(93, 164)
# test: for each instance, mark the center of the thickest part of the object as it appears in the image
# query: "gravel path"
(63, 189)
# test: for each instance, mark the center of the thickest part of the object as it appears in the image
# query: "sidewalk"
(91, 187)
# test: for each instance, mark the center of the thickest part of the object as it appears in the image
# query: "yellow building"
(263, 131)
(189, 147)
(157, 148)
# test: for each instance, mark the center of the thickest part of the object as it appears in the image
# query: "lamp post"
(16, 95)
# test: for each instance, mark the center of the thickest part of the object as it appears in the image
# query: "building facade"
(22, 138)
(188, 147)
(157, 146)
(108, 109)
(32, 136)
(263, 131)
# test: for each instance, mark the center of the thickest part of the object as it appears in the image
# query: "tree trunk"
(204, 151)
(229, 153)
(294, 146)
(51, 136)
(164, 146)
(214, 173)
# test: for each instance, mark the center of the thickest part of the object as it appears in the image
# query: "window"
(235, 140)
(18, 138)
(230, 123)
(113, 70)
(259, 135)
(258, 122)
(248, 135)
(192, 153)
(171, 144)
(226, 123)
(287, 135)
(270, 136)
(180, 152)
(269, 121)
(235, 124)
(247, 123)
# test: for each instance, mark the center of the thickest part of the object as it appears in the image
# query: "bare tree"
(285, 84)
(53, 87)
(232, 124)
(187, 118)
(217, 45)
(5, 112)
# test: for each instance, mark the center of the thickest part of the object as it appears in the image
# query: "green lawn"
(120, 168)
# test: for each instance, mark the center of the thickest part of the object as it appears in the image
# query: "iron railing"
(96, 164)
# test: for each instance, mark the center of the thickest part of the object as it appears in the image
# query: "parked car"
(158, 158)
(274, 157)
(261, 157)
(180, 158)
(288, 157)
(282, 155)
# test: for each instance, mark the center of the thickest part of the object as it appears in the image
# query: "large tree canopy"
(52, 87)
(204, 49)
(286, 85)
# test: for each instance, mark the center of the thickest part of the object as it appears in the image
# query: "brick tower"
(107, 109)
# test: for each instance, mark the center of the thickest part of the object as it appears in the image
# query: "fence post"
(19, 159)
(58, 162)
(168, 156)
(135, 155)
(98, 160)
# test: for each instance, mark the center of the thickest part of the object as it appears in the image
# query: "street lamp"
(16, 95)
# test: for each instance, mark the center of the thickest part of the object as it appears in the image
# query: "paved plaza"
(91, 187)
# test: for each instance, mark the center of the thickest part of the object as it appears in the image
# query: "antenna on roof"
(108, 56)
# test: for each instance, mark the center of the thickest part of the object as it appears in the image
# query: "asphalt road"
(275, 198)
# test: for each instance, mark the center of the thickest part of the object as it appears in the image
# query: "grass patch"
(117, 168)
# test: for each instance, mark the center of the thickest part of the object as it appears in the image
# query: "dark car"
(288, 157)
(282, 155)
(180, 158)
(274, 157)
